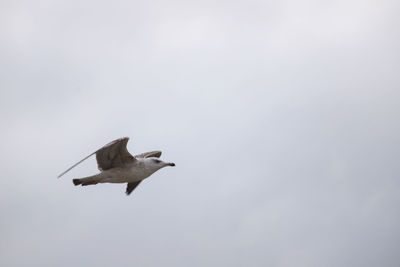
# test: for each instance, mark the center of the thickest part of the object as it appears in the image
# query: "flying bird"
(117, 165)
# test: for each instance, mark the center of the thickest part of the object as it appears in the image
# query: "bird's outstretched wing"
(150, 154)
(114, 154)
(131, 186)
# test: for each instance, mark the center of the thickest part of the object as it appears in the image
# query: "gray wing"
(114, 154)
(150, 154)
(131, 186)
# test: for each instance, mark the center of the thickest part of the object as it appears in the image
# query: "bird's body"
(117, 165)
(135, 171)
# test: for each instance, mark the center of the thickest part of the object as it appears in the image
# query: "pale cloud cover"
(282, 118)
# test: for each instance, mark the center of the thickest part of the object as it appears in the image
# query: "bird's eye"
(157, 161)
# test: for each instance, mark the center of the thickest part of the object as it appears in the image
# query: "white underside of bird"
(132, 172)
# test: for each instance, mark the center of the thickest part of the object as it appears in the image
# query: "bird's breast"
(138, 172)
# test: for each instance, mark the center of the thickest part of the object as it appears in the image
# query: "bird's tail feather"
(86, 181)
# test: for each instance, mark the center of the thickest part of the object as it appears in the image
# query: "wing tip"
(127, 192)
(59, 176)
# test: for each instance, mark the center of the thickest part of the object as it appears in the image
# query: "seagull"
(117, 165)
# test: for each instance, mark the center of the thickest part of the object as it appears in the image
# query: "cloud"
(280, 116)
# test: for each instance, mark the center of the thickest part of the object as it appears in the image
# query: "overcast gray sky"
(281, 116)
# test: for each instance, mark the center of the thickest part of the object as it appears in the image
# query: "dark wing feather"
(114, 154)
(131, 186)
(150, 154)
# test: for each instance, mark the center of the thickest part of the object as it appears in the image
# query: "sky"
(281, 117)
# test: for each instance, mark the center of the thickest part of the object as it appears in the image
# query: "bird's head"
(158, 164)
